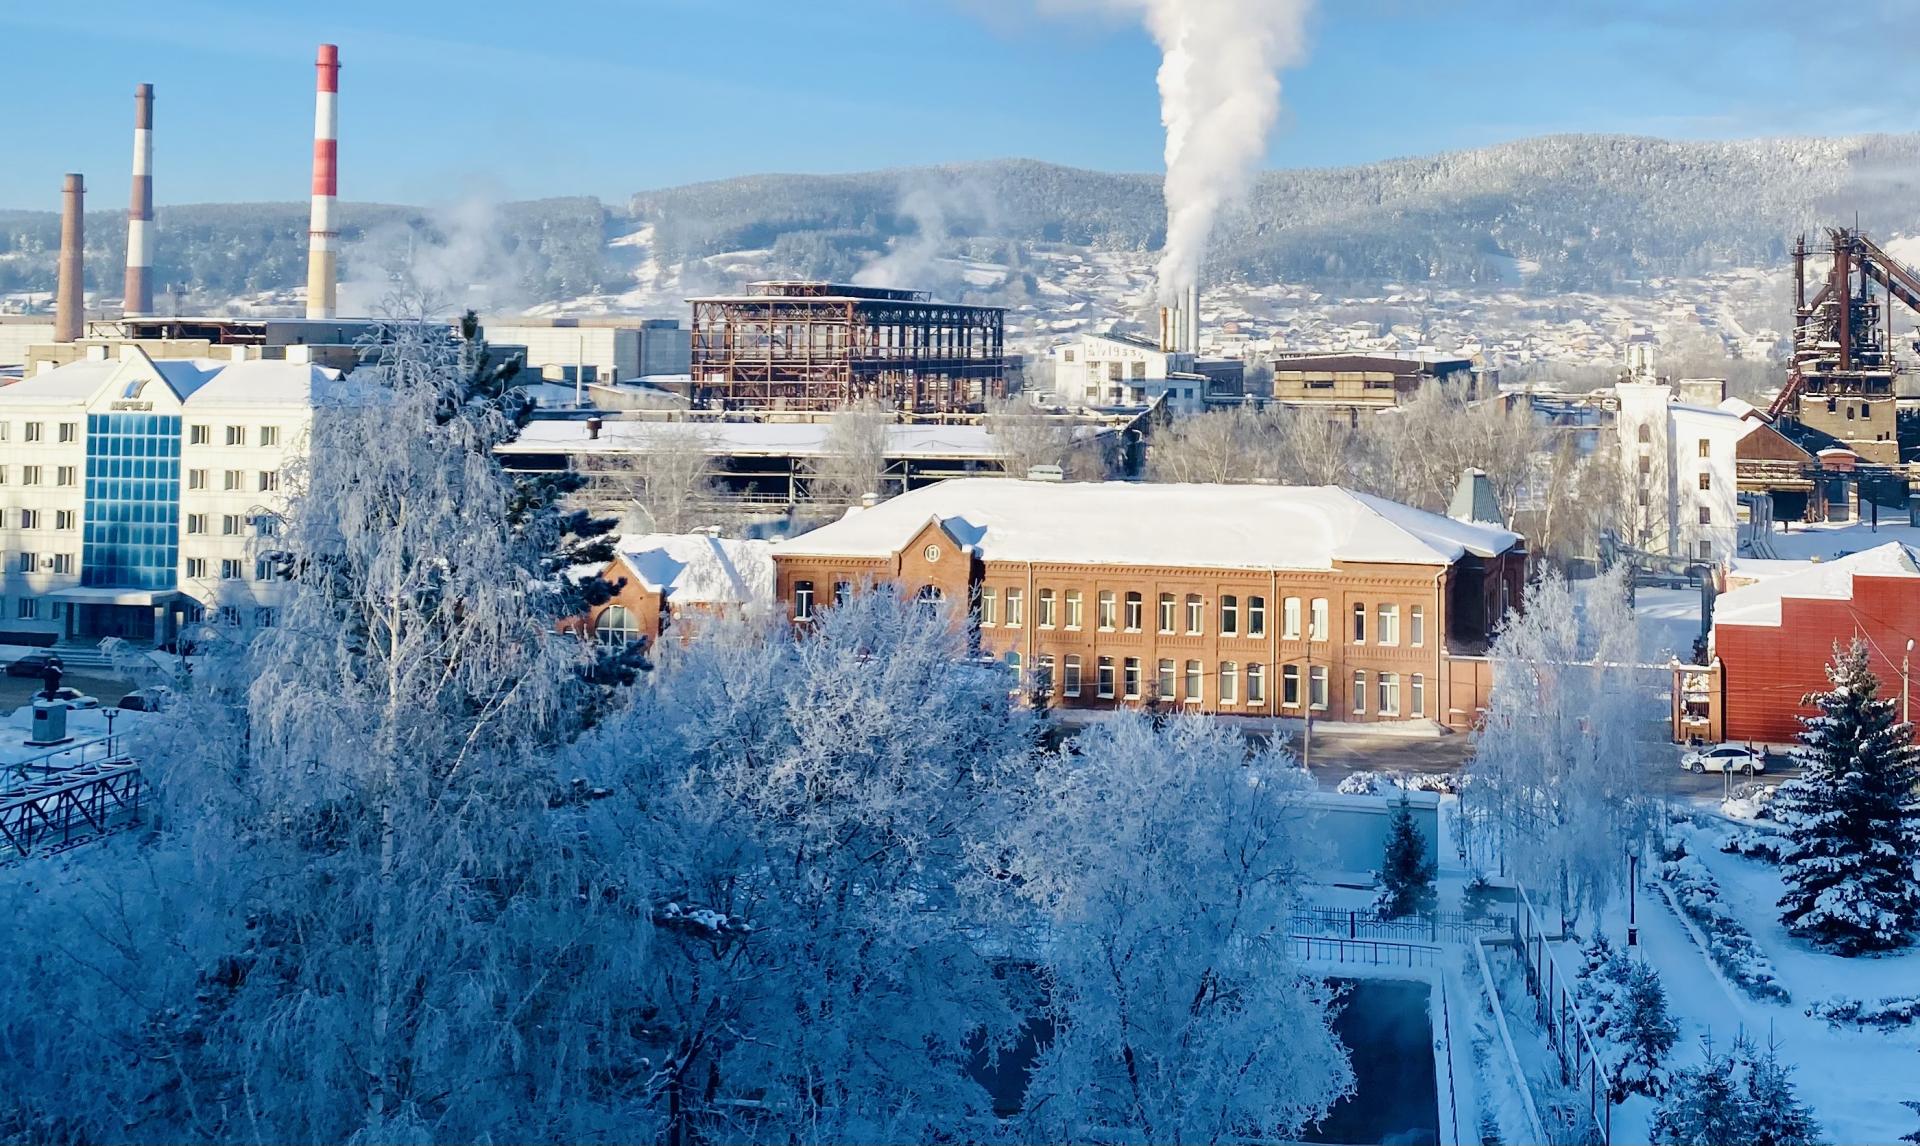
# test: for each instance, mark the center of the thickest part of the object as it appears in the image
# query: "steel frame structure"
(818, 347)
(1843, 336)
(90, 799)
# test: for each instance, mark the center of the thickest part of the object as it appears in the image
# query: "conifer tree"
(1854, 817)
(1706, 1106)
(1407, 872)
(1775, 1112)
(1644, 1034)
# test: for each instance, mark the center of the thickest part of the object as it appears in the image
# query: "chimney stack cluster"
(139, 293)
(321, 229)
(1180, 324)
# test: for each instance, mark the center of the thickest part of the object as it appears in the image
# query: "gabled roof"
(1759, 603)
(1127, 523)
(696, 569)
(203, 381)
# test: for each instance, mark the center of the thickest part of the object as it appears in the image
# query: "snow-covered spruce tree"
(1776, 1115)
(1739, 1097)
(805, 800)
(1853, 815)
(1406, 871)
(1642, 1037)
(1563, 771)
(1164, 865)
(359, 913)
(1601, 984)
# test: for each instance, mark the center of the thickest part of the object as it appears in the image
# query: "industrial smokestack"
(326, 168)
(139, 292)
(1193, 320)
(70, 303)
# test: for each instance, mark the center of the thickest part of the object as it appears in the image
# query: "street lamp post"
(1906, 692)
(1633, 879)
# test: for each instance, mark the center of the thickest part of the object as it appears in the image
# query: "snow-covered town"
(1304, 645)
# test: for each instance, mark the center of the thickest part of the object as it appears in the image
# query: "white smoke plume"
(459, 259)
(1219, 99)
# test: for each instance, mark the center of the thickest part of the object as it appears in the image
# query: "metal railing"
(1371, 952)
(99, 750)
(1557, 1015)
(1433, 926)
(70, 806)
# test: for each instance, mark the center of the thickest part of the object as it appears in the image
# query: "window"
(196, 568)
(3, 469)
(263, 618)
(65, 519)
(32, 432)
(1229, 616)
(989, 606)
(1417, 688)
(66, 475)
(1195, 688)
(1043, 609)
(196, 523)
(199, 435)
(1256, 618)
(1386, 628)
(1646, 465)
(1069, 355)
(1646, 433)
(1114, 371)
(1196, 613)
(842, 592)
(803, 600)
(269, 435)
(230, 616)
(69, 431)
(1317, 621)
(1130, 677)
(29, 519)
(1706, 448)
(29, 562)
(1317, 687)
(615, 627)
(63, 563)
(1166, 612)
(229, 569)
(196, 479)
(1107, 615)
(1133, 612)
(236, 435)
(236, 479)
(263, 569)
(1359, 623)
(1070, 680)
(1016, 608)
(1705, 551)
(230, 525)
(1103, 677)
(1229, 682)
(29, 475)
(1043, 681)
(1706, 480)
(1167, 685)
(1359, 692)
(1706, 515)
(1256, 683)
(1290, 686)
(29, 609)
(1417, 625)
(1073, 608)
(1290, 619)
(1389, 694)
(1013, 662)
(4, 427)
(269, 480)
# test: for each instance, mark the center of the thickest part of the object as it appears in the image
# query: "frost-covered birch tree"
(364, 910)
(1163, 863)
(1563, 767)
(804, 802)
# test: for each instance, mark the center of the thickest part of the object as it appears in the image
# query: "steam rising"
(1219, 98)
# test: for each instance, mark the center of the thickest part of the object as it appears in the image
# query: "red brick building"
(1772, 640)
(675, 579)
(1246, 599)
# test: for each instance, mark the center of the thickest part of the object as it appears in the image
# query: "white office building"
(139, 495)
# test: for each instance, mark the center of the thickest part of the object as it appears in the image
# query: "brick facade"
(1239, 656)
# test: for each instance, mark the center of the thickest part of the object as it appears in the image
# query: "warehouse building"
(595, 349)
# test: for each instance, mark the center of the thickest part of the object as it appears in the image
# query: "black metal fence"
(1552, 988)
(1371, 952)
(1432, 926)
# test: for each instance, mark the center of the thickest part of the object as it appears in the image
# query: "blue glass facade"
(132, 538)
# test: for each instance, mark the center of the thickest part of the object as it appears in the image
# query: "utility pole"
(1906, 689)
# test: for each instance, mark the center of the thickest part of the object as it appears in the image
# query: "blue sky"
(512, 98)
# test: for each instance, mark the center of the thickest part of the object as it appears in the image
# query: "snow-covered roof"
(196, 381)
(1127, 523)
(1759, 602)
(771, 438)
(696, 569)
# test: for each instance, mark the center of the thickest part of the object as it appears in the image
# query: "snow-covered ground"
(1669, 620)
(1828, 540)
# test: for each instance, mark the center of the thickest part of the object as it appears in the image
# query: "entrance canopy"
(94, 595)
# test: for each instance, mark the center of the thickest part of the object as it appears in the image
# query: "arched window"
(929, 598)
(615, 627)
(1646, 434)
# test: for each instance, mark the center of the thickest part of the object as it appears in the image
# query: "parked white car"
(1725, 758)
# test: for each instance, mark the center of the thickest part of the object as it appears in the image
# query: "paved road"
(15, 690)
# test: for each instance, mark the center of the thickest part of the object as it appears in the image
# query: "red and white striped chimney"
(321, 234)
(139, 292)
(70, 294)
